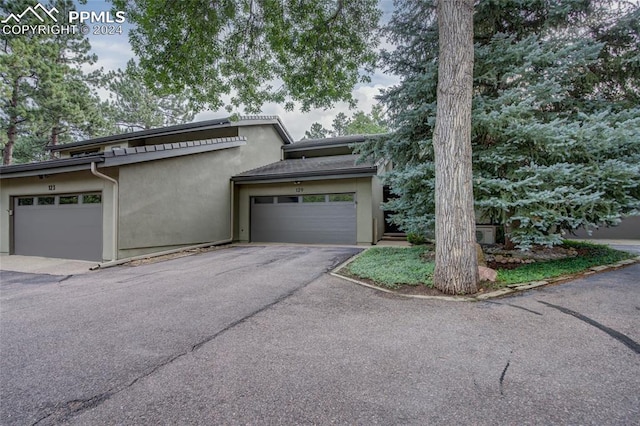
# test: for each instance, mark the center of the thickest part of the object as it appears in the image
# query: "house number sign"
(299, 189)
(52, 187)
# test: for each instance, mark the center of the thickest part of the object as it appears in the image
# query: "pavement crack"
(66, 277)
(622, 338)
(67, 409)
(75, 407)
(504, 373)
(252, 314)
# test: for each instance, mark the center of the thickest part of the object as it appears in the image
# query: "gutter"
(114, 243)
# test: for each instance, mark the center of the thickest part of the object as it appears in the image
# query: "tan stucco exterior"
(186, 200)
(368, 190)
(176, 200)
(162, 204)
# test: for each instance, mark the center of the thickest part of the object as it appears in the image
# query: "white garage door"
(319, 219)
(62, 226)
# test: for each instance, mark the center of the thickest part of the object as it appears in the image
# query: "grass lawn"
(393, 267)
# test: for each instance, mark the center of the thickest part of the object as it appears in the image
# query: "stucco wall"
(361, 186)
(186, 200)
(378, 213)
(628, 229)
(64, 183)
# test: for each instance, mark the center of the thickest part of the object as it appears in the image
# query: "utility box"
(486, 234)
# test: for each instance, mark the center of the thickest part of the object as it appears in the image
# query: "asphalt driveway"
(261, 335)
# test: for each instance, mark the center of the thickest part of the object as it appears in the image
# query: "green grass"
(391, 267)
(596, 255)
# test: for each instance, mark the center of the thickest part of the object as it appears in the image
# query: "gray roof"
(140, 154)
(184, 128)
(50, 166)
(326, 142)
(118, 157)
(338, 166)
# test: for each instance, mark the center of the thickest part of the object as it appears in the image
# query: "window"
(25, 201)
(46, 201)
(336, 198)
(314, 198)
(91, 199)
(262, 200)
(287, 199)
(68, 199)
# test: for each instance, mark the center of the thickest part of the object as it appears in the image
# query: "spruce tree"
(555, 122)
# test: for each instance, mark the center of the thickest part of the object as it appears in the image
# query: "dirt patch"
(497, 257)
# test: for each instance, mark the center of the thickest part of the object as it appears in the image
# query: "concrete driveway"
(261, 335)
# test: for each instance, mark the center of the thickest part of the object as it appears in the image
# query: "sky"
(114, 51)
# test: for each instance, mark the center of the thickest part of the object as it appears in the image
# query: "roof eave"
(163, 131)
(49, 167)
(310, 175)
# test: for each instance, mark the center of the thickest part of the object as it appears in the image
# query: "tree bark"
(12, 129)
(456, 270)
(7, 152)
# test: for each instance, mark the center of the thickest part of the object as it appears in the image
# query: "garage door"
(319, 218)
(63, 226)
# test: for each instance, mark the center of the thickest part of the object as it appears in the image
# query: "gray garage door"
(63, 226)
(320, 219)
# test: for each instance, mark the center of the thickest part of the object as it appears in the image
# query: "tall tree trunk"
(7, 153)
(456, 270)
(12, 129)
(53, 141)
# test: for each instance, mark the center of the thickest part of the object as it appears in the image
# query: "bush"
(416, 239)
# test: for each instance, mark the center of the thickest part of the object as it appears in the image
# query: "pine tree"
(360, 123)
(556, 122)
(133, 106)
(48, 98)
(18, 71)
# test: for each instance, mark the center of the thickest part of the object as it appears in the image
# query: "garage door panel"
(62, 231)
(320, 223)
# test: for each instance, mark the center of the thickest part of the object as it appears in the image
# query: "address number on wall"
(299, 189)
(52, 187)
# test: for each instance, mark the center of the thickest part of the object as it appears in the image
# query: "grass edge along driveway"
(393, 267)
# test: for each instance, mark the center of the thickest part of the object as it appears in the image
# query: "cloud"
(113, 52)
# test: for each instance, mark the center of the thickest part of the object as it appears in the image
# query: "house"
(214, 181)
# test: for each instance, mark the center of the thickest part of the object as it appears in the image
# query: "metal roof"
(337, 165)
(119, 157)
(304, 144)
(184, 128)
(50, 166)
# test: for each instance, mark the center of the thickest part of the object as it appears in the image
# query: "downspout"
(114, 243)
(231, 221)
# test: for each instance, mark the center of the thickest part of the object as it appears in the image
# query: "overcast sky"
(114, 51)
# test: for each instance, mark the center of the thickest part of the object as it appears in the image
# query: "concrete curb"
(509, 289)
